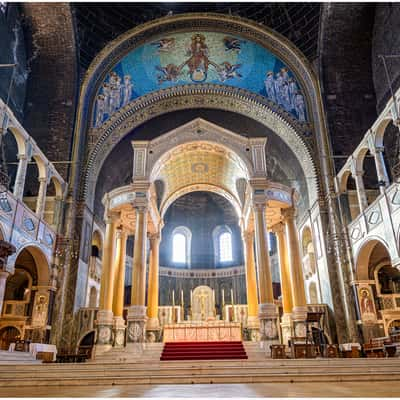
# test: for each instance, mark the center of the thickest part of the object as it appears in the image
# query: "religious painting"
(366, 302)
(194, 58)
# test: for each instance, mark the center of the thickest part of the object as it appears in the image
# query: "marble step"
(17, 357)
(224, 377)
(87, 374)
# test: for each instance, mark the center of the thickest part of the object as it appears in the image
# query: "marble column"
(41, 197)
(380, 168)
(251, 282)
(299, 311)
(119, 286)
(286, 284)
(267, 311)
(361, 195)
(21, 175)
(137, 310)
(3, 281)
(152, 299)
(105, 313)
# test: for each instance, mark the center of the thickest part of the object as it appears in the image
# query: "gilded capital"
(289, 213)
(278, 228)
(248, 235)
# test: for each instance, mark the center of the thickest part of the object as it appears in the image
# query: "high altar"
(202, 324)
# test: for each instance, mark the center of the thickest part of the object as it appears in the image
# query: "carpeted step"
(203, 351)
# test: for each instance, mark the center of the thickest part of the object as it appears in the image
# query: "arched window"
(181, 245)
(179, 248)
(225, 247)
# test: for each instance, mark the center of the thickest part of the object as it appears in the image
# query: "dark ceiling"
(99, 23)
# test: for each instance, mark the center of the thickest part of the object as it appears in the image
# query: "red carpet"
(203, 351)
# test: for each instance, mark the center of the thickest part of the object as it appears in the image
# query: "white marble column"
(361, 195)
(137, 311)
(3, 281)
(41, 198)
(19, 184)
(380, 167)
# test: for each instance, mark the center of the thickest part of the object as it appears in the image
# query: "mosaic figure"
(100, 109)
(270, 86)
(127, 90)
(300, 106)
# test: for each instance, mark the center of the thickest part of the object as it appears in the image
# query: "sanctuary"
(196, 183)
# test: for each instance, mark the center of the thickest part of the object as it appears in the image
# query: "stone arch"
(41, 262)
(97, 242)
(363, 256)
(158, 102)
(13, 331)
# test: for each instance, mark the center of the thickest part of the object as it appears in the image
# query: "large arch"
(363, 256)
(41, 262)
(216, 96)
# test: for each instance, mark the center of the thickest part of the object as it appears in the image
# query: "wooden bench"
(278, 351)
(376, 347)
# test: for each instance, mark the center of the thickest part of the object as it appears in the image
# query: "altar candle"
(191, 298)
(181, 297)
(173, 298)
(213, 296)
(232, 296)
(223, 297)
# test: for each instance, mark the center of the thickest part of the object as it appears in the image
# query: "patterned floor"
(324, 389)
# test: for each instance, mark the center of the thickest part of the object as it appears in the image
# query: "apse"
(201, 231)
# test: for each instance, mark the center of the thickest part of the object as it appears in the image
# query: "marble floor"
(325, 389)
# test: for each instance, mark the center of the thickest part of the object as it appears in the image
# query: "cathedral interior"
(199, 173)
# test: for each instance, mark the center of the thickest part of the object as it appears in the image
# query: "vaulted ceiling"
(99, 23)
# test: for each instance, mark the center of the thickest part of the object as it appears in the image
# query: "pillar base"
(269, 332)
(299, 316)
(286, 326)
(252, 330)
(119, 332)
(104, 325)
(136, 329)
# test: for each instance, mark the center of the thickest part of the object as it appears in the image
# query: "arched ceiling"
(99, 23)
(198, 163)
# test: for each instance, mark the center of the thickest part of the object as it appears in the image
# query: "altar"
(200, 331)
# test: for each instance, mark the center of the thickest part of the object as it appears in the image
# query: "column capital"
(248, 235)
(22, 156)
(278, 228)
(154, 236)
(288, 213)
(42, 179)
(111, 216)
(140, 208)
(259, 206)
